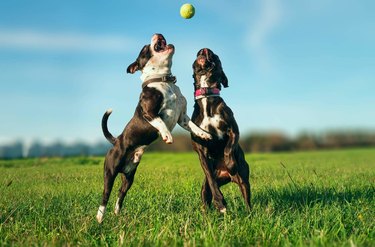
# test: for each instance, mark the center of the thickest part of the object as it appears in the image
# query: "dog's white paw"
(100, 214)
(167, 137)
(223, 210)
(204, 135)
(117, 207)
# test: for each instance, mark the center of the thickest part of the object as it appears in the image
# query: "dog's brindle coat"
(222, 158)
(161, 105)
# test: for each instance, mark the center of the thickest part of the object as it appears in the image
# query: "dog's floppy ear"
(223, 79)
(141, 60)
(132, 68)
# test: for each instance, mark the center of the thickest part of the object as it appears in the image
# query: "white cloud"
(60, 41)
(268, 20)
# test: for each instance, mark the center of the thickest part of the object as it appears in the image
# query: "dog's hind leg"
(206, 194)
(246, 191)
(127, 181)
(127, 176)
(207, 166)
(112, 162)
(230, 147)
(109, 178)
(243, 177)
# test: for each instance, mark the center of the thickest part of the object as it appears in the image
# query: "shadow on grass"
(300, 197)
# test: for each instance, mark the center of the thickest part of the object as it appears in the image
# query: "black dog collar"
(167, 78)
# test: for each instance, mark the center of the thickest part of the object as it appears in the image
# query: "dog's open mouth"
(160, 45)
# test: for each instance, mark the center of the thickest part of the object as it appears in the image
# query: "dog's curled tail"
(106, 132)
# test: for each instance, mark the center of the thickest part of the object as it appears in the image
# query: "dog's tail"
(106, 132)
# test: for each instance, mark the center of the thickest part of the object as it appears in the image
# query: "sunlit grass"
(313, 198)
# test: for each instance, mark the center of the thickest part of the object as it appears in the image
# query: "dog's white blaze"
(211, 121)
(203, 81)
(100, 214)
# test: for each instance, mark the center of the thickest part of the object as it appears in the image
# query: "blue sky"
(292, 66)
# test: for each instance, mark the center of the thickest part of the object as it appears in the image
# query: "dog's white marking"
(203, 81)
(117, 207)
(198, 131)
(163, 130)
(172, 111)
(186, 123)
(211, 121)
(160, 63)
(223, 210)
(171, 106)
(138, 154)
(100, 214)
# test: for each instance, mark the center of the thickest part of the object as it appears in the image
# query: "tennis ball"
(187, 11)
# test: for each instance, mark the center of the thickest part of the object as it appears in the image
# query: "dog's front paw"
(204, 135)
(167, 137)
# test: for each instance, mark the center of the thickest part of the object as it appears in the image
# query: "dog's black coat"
(222, 158)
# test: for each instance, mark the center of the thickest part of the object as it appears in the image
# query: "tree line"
(253, 142)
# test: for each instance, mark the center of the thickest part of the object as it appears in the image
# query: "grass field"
(321, 198)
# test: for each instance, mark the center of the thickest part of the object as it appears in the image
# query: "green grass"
(318, 199)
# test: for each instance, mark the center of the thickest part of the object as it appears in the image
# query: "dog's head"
(208, 71)
(154, 59)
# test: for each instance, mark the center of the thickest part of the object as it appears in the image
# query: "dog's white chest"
(213, 121)
(171, 106)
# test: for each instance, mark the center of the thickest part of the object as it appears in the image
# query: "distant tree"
(99, 149)
(266, 142)
(306, 141)
(181, 143)
(253, 142)
(12, 151)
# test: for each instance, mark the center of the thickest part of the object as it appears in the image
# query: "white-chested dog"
(161, 106)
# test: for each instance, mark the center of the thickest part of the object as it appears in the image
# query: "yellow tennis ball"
(187, 11)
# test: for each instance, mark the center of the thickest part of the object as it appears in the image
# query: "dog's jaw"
(160, 63)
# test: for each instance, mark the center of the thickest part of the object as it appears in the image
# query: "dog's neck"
(166, 79)
(205, 90)
(145, 77)
(157, 68)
